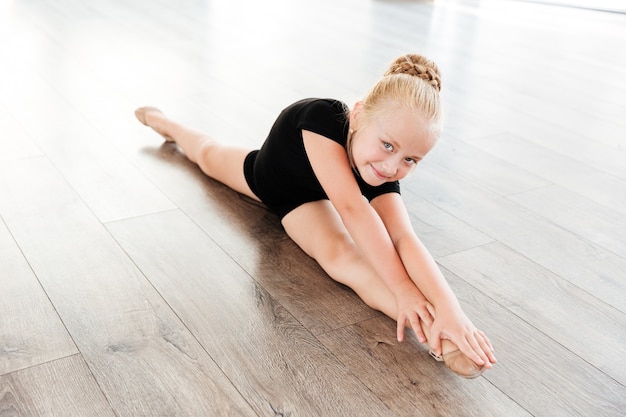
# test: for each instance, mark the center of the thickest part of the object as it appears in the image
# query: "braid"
(417, 66)
(412, 83)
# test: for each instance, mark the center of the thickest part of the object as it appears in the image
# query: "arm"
(450, 321)
(418, 262)
(332, 169)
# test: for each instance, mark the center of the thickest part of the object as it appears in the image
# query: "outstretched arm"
(332, 168)
(450, 321)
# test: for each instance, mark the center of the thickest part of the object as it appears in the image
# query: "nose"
(390, 167)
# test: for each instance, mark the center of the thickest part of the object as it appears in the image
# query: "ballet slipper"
(140, 114)
(459, 363)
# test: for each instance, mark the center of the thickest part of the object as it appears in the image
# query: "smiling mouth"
(378, 174)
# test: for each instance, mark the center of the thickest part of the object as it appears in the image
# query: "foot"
(454, 359)
(457, 361)
(150, 116)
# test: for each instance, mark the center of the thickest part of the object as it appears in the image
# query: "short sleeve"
(325, 117)
(372, 192)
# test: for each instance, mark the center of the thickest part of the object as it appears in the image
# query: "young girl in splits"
(318, 163)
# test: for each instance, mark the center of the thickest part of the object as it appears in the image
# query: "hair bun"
(417, 66)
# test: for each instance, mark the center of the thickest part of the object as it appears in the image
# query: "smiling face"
(388, 148)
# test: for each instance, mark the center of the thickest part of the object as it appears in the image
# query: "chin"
(369, 178)
(374, 182)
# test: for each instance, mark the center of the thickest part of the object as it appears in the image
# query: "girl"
(318, 162)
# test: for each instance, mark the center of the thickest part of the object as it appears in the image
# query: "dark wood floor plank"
(64, 387)
(31, 332)
(580, 262)
(254, 238)
(275, 363)
(509, 277)
(145, 360)
(408, 379)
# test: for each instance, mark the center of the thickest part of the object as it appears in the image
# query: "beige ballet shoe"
(140, 114)
(460, 364)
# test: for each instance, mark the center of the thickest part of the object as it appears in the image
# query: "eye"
(410, 161)
(388, 146)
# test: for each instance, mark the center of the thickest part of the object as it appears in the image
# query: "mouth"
(378, 174)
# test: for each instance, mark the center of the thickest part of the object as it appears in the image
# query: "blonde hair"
(411, 83)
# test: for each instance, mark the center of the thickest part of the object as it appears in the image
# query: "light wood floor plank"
(108, 183)
(14, 142)
(553, 166)
(31, 332)
(441, 232)
(64, 387)
(582, 263)
(606, 228)
(475, 165)
(539, 374)
(508, 277)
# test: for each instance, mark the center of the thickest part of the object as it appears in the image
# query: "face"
(388, 148)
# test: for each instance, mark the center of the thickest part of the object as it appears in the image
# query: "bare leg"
(220, 162)
(317, 228)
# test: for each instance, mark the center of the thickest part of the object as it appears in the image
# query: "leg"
(220, 162)
(317, 228)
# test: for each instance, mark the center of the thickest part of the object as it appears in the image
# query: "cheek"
(404, 171)
(361, 154)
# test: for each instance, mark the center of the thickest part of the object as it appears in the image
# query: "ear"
(354, 114)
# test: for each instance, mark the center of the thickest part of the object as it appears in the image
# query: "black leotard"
(280, 173)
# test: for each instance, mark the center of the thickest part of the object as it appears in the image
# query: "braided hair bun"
(417, 66)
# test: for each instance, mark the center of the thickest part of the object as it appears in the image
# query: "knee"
(338, 252)
(203, 157)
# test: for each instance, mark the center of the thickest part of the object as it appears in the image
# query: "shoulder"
(327, 117)
(318, 108)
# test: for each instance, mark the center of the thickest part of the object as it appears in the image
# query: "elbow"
(407, 238)
(352, 209)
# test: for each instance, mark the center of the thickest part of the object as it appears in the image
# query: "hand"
(453, 324)
(412, 307)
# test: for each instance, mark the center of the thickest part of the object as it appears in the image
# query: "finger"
(417, 329)
(400, 329)
(434, 340)
(466, 347)
(487, 341)
(478, 349)
(483, 340)
(431, 310)
(426, 316)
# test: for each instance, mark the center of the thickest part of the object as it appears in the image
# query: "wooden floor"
(132, 285)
